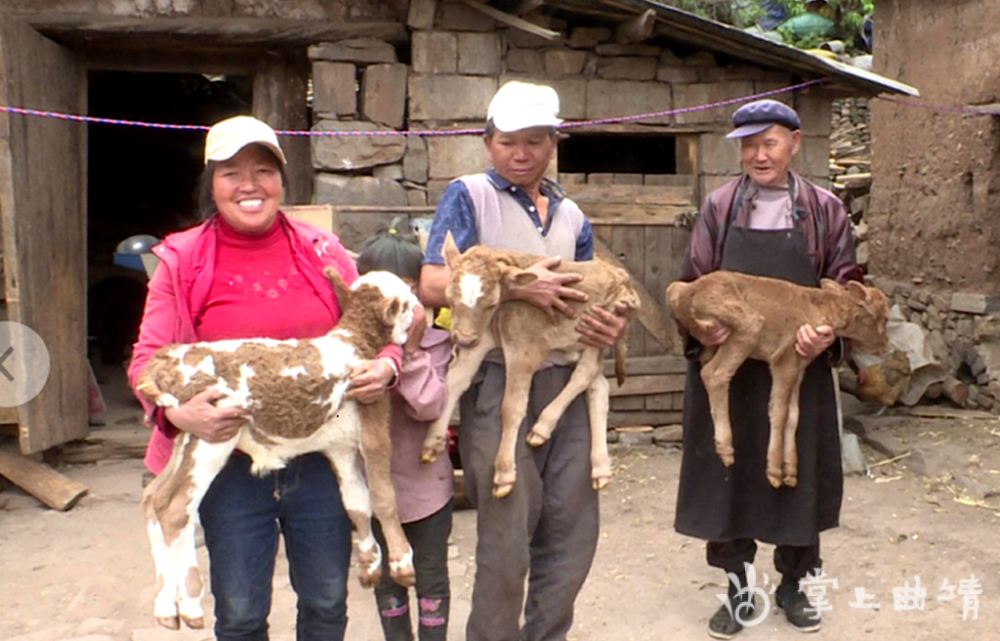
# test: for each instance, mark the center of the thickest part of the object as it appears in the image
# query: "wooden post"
(41, 481)
(279, 99)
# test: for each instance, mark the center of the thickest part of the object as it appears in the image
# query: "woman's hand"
(417, 331)
(370, 380)
(600, 328)
(201, 417)
(810, 343)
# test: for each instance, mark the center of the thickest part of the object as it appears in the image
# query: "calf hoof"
(536, 439)
(404, 575)
(791, 481)
(601, 482)
(197, 623)
(727, 454)
(502, 490)
(432, 450)
(601, 476)
(170, 623)
(369, 578)
(774, 478)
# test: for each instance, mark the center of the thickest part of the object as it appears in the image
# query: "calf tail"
(147, 383)
(621, 351)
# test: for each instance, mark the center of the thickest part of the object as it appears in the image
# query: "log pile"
(851, 164)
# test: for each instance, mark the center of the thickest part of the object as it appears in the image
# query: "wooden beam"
(637, 28)
(514, 21)
(41, 481)
(279, 99)
(621, 419)
(527, 6)
(245, 32)
(592, 194)
(652, 315)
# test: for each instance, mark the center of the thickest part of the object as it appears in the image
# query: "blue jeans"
(242, 516)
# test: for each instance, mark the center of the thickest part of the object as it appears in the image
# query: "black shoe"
(798, 610)
(724, 624)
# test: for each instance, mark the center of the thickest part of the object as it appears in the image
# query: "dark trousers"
(429, 539)
(242, 515)
(545, 529)
(792, 561)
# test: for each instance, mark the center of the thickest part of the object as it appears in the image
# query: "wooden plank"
(631, 194)
(43, 217)
(245, 32)
(661, 402)
(653, 316)
(621, 214)
(657, 272)
(322, 216)
(619, 419)
(627, 404)
(39, 480)
(651, 384)
(650, 365)
(279, 99)
(106, 445)
(628, 247)
(514, 21)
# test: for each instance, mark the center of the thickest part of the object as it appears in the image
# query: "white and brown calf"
(481, 323)
(293, 394)
(764, 315)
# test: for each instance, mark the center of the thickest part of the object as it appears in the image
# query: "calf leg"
(784, 371)
(461, 371)
(597, 406)
(717, 374)
(357, 504)
(790, 465)
(171, 505)
(587, 368)
(520, 370)
(376, 447)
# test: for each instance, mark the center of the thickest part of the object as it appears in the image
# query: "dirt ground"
(86, 575)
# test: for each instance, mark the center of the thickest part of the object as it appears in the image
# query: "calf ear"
(857, 290)
(516, 277)
(450, 249)
(340, 288)
(390, 309)
(830, 284)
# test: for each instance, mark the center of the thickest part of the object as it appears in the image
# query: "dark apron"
(716, 503)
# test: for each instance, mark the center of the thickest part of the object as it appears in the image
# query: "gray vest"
(502, 223)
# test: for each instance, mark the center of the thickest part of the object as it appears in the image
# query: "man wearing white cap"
(769, 222)
(547, 528)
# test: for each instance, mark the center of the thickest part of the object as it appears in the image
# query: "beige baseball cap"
(225, 139)
(522, 105)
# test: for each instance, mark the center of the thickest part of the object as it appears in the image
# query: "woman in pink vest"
(249, 271)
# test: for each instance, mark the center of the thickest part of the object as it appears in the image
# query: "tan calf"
(293, 395)
(481, 323)
(764, 315)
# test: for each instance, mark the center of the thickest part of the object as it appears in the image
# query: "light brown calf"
(481, 323)
(293, 395)
(764, 315)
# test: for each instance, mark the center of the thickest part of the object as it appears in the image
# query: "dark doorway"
(618, 153)
(142, 181)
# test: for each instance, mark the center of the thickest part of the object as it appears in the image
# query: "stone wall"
(461, 57)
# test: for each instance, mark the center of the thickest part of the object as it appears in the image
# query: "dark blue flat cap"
(755, 117)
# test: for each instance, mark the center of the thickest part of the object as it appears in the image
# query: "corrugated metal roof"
(692, 29)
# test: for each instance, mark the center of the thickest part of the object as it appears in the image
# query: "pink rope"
(423, 133)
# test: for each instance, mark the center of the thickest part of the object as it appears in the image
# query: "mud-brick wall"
(934, 213)
(350, 10)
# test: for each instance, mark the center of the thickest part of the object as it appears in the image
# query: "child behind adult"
(423, 492)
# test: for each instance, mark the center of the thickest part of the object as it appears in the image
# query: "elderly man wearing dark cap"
(769, 222)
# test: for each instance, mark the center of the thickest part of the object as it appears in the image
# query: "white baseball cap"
(225, 139)
(521, 105)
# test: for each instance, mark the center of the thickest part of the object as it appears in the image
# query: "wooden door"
(42, 210)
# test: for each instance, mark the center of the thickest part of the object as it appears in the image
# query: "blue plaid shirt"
(455, 213)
